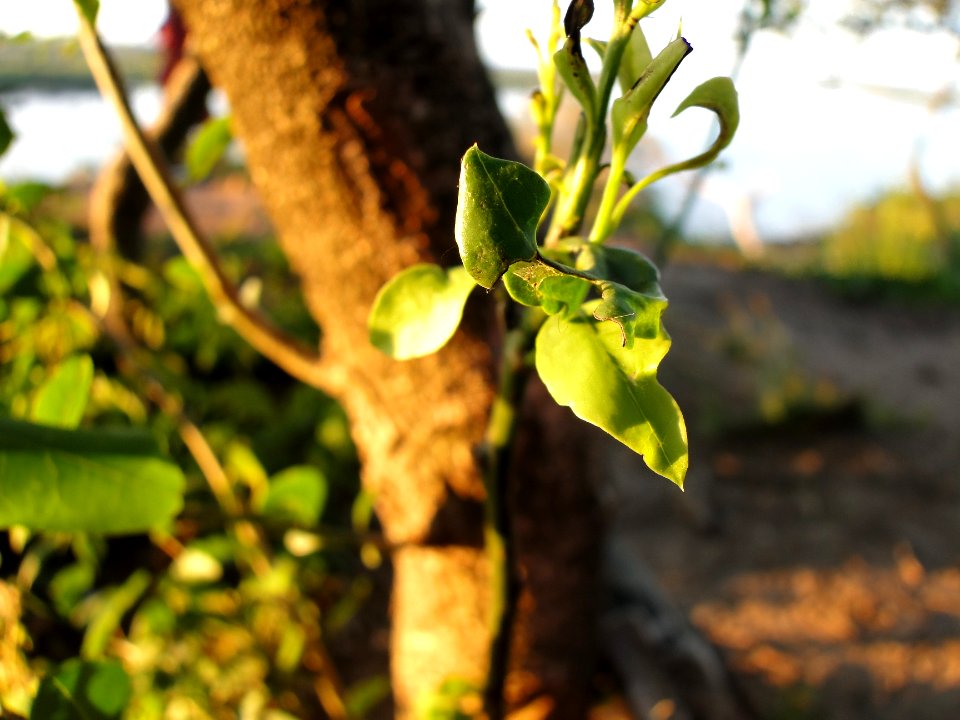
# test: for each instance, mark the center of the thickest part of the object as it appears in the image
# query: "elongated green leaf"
(364, 695)
(638, 315)
(630, 112)
(83, 691)
(599, 47)
(103, 481)
(113, 604)
(636, 58)
(719, 95)
(61, 400)
(6, 133)
(207, 148)
(418, 311)
(498, 210)
(584, 366)
(297, 494)
(15, 255)
(575, 74)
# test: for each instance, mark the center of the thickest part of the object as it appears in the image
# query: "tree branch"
(286, 352)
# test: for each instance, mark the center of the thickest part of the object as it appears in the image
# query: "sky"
(816, 133)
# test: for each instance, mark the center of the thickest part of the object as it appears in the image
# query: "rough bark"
(353, 116)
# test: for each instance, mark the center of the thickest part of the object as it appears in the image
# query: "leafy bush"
(895, 240)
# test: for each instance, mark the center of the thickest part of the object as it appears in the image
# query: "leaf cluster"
(110, 528)
(592, 311)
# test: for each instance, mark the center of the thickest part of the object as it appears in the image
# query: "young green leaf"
(297, 494)
(81, 690)
(636, 58)
(629, 113)
(719, 95)
(207, 148)
(621, 265)
(498, 210)
(418, 311)
(6, 133)
(15, 256)
(62, 398)
(599, 47)
(104, 481)
(585, 366)
(576, 76)
(536, 284)
(638, 315)
(115, 603)
(569, 59)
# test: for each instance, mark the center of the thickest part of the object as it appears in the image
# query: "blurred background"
(814, 278)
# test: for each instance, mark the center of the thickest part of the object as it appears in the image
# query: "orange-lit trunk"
(353, 116)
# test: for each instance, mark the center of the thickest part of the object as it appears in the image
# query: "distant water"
(854, 145)
(59, 134)
(62, 133)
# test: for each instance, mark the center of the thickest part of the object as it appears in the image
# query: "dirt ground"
(818, 543)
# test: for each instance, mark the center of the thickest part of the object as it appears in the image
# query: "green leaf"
(585, 366)
(719, 95)
(297, 494)
(83, 691)
(576, 76)
(89, 9)
(23, 197)
(15, 255)
(599, 47)
(621, 265)
(419, 310)
(636, 58)
(6, 133)
(637, 314)
(498, 211)
(364, 695)
(70, 584)
(536, 284)
(112, 605)
(62, 398)
(207, 147)
(103, 481)
(630, 112)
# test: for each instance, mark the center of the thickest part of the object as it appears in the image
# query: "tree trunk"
(353, 116)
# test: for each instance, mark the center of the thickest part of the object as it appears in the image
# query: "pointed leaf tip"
(584, 366)
(719, 95)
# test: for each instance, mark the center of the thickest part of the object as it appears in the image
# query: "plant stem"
(578, 183)
(286, 352)
(498, 443)
(604, 224)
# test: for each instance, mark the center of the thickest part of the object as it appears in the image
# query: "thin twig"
(327, 684)
(286, 352)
